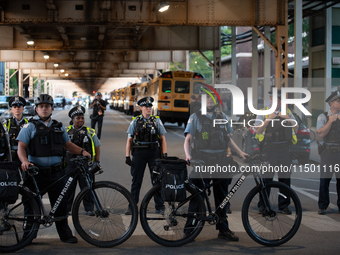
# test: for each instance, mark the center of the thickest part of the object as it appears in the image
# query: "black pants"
(88, 199)
(220, 192)
(43, 181)
(98, 119)
(278, 154)
(328, 158)
(140, 159)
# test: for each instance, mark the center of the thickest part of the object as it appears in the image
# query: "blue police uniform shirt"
(95, 139)
(194, 125)
(131, 130)
(28, 132)
(322, 121)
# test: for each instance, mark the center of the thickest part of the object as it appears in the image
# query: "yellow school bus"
(115, 101)
(141, 91)
(121, 99)
(113, 95)
(171, 92)
(130, 92)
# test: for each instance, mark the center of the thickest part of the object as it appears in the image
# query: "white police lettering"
(238, 99)
(169, 186)
(7, 184)
(62, 194)
(232, 191)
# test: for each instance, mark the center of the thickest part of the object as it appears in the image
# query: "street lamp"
(162, 7)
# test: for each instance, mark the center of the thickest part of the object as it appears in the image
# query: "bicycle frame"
(258, 180)
(47, 218)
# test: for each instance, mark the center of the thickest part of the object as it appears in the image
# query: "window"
(182, 87)
(181, 103)
(196, 87)
(79, 7)
(132, 92)
(166, 86)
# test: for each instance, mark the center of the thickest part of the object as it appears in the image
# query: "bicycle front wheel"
(178, 223)
(105, 224)
(271, 226)
(18, 223)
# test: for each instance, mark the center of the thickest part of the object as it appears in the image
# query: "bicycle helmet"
(44, 99)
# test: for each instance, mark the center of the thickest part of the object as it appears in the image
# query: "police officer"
(275, 140)
(145, 135)
(45, 139)
(15, 123)
(87, 139)
(99, 106)
(210, 145)
(328, 128)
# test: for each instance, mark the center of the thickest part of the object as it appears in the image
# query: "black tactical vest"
(277, 132)
(146, 130)
(333, 136)
(81, 138)
(14, 130)
(47, 141)
(210, 137)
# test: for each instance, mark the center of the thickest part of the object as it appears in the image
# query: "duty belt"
(50, 169)
(145, 146)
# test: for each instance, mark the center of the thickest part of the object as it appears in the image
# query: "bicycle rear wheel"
(273, 227)
(106, 226)
(177, 225)
(17, 229)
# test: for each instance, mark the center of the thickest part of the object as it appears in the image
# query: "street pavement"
(317, 234)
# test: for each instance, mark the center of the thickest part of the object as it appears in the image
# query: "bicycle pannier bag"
(174, 173)
(9, 181)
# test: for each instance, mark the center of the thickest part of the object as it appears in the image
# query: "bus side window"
(166, 86)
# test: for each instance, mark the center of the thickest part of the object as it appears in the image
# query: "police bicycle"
(261, 217)
(108, 227)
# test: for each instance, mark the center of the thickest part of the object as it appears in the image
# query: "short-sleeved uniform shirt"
(20, 123)
(322, 121)
(132, 128)
(28, 132)
(195, 125)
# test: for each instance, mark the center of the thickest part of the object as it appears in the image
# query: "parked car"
(4, 106)
(29, 109)
(58, 102)
(301, 150)
(5, 98)
(244, 137)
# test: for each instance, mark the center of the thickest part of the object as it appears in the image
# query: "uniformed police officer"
(210, 145)
(145, 135)
(328, 128)
(15, 123)
(45, 139)
(87, 139)
(276, 140)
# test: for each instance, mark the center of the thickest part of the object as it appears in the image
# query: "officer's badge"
(205, 135)
(82, 132)
(16, 99)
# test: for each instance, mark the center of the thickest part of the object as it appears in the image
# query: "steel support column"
(31, 87)
(233, 56)
(281, 67)
(7, 78)
(20, 84)
(254, 69)
(267, 64)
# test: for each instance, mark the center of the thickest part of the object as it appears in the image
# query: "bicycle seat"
(197, 162)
